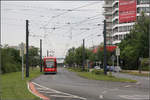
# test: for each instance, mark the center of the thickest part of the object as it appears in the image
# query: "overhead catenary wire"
(71, 11)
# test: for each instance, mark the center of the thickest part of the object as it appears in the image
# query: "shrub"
(145, 64)
(97, 72)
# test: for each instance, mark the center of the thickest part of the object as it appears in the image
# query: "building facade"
(120, 17)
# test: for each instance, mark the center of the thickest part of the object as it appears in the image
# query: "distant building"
(60, 62)
(120, 17)
(109, 48)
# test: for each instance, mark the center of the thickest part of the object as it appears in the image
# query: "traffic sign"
(112, 57)
(22, 49)
(117, 51)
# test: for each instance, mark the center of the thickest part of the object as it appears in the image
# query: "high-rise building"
(108, 16)
(120, 17)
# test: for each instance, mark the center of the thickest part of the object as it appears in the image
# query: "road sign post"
(117, 54)
(22, 46)
(113, 59)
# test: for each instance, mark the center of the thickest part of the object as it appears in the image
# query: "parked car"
(117, 69)
(97, 67)
(111, 68)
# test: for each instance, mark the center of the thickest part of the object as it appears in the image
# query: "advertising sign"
(127, 11)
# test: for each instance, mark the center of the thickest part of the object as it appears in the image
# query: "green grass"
(14, 88)
(136, 73)
(98, 75)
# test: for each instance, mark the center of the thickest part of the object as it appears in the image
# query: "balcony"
(120, 33)
(107, 13)
(109, 20)
(116, 41)
(116, 9)
(107, 6)
(108, 27)
(115, 18)
(114, 2)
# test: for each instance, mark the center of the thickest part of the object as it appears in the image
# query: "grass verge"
(98, 75)
(135, 73)
(14, 88)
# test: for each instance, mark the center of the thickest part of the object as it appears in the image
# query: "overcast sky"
(60, 24)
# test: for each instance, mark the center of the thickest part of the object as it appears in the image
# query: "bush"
(145, 64)
(97, 72)
(146, 68)
(10, 61)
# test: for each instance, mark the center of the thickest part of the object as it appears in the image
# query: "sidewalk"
(136, 71)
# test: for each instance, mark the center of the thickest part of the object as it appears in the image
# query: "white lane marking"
(46, 92)
(101, 96)
(32, 92)
(138, 83)
(46, 88)
(135, 97)
(127, 86)
(55, 91)
(61, 96)
(41, 89)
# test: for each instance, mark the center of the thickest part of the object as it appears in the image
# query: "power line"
(72, 10)
(75, 9)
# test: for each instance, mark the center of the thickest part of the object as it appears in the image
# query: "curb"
(32, 89)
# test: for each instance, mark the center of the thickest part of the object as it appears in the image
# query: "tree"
(136, 44)
(11, 60)
(70, 58)
(34, 58)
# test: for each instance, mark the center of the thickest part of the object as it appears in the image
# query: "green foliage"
(34, 58)
(11, 61)
(145, 64)
(97, 72)
(100, 56)
(136, 44)
(14, 88)
(75, 55)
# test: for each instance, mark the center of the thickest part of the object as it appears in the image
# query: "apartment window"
(144, 9)
(143, 2)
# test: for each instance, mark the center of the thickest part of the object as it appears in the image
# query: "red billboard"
(127, 11)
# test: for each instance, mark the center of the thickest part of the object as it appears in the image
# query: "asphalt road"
(67, 85)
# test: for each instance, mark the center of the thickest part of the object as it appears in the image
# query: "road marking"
(32, 92)
(101, 96)
(46, 92)
(138, 83)
(127, 86)
(135, 97)
(61, 96)
(55, 91)
(41, 89)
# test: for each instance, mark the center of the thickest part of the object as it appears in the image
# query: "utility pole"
(27, 48)
(105, 52)
(40, 55)
(149, 42)
(83, 56)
